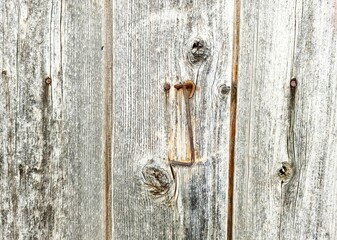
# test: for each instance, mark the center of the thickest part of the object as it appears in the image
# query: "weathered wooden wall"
(87, 129)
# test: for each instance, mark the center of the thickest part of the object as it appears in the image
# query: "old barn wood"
(92, 127)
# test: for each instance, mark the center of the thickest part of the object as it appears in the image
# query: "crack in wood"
(290, 138)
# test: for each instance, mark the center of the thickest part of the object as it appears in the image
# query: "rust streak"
(233, 107)
(187, 85)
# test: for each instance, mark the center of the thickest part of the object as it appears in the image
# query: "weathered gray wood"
(281, 40)
(65, 100)
(152, 45)
(50, 135)
(309, 206)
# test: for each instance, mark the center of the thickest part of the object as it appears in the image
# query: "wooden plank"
(262, 116)
(285, 153)
(50, 114)
(310, 199)
(168, 42)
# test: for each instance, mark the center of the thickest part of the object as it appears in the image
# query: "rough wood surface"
(286, 139)
(168, 42)
(87, 128)
(50, 134)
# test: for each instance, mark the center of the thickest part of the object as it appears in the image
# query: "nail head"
(293, 82)
(48, 80)
(167, 86)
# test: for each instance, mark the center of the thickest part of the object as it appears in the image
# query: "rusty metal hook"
(189, 84)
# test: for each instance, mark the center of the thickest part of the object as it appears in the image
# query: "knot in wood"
(156, 181)
(285, 172)
(224, 90)
(199, 51)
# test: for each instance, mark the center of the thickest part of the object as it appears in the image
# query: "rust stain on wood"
(188, 84)
(290, 139)
(233, 107)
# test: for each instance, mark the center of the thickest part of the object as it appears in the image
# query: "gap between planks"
(107, 119)
(233, 107)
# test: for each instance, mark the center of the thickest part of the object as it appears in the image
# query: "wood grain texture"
(87, 129)
(282, 127)
(50, 134)
(169, 42)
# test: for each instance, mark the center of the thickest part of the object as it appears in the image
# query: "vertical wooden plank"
(285, 155)
(82, 86)
(309, 207)
(168, 42)
(50, 160)
(266, 51)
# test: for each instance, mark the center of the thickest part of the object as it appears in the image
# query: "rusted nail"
(187, 85)
(48, 80)
(167, 87)
(293, 82)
